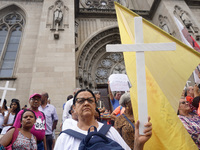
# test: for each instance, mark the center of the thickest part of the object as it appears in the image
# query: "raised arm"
(110, 92)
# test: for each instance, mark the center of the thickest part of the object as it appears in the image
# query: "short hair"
(96, 92)
(46, 94)
(115, 93)
(69, 97)
(124, 99)
(83, 90)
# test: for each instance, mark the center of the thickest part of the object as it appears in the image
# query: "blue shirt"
(115, 103)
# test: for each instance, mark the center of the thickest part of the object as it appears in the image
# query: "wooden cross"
(5, 89)
(139, 47)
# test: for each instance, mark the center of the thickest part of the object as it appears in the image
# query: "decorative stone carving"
(186, 19)
(107, 63)
(58, 17)
(164, 24)
(96, 63)
(102, 4)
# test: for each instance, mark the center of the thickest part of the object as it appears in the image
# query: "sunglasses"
(184, 102)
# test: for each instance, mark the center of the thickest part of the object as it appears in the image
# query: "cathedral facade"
(57, 45)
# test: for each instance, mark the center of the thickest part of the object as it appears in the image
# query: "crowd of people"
(34, 128)
(28, 129)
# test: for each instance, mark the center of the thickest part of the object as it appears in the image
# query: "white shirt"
(68, 123)
(67, 142)
(67, 107)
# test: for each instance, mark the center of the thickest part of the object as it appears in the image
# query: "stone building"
(57, 45)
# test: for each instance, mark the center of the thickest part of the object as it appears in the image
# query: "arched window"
(11, 26)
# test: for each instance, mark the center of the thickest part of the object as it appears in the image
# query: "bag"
(95, 140)
(14, 137)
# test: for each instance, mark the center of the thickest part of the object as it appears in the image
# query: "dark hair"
(69, 97)
(46, 95)
(71, 109)
(14, 100)
(18, 105)
(83, 90)
(5, 102)
(25, 110)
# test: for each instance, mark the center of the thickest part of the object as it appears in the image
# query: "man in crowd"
(114, 99)
(67, 107)
(190, 94)
(51, 119)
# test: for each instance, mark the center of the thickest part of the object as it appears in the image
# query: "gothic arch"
(94, 64)
(12, 22)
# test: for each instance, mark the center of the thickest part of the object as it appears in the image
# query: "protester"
(3, 110)
(114, 99)
(38, 129)
(25, 139)
(190, 120)
(67, 107)
(84, 105)
(124, 123)
(189, 94)
(10, 115)
(100, 104)
(51, 119)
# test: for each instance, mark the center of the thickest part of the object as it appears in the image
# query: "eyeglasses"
(35, 99)
(82, 100)
(184, 102)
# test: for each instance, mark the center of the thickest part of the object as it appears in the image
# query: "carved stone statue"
(163, 25)
(186, 20)
(58, 14)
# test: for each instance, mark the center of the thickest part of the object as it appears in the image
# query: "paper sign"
(119, 82)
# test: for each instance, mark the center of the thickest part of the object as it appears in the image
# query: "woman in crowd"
(9, 116)
(3, 110)
(122, 122)
(84, 105)
(190, 120)
(25, 139)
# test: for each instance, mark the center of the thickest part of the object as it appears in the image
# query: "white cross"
(5, 89)
(139, 48)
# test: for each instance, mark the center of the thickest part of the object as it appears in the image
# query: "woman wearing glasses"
(191, 121)
(25, 139)
(84, 105)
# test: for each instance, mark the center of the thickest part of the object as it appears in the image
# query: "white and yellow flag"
(166, 75)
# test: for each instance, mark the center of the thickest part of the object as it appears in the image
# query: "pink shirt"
(38, 129)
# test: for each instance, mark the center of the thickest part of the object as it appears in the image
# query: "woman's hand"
(140, 140)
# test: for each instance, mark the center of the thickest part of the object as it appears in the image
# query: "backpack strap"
(74, 134)
(129, 122)
(104, 129)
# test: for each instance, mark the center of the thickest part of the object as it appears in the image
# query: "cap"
(124, 99)
(35, 94)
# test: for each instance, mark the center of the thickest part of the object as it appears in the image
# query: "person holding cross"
(39, 127)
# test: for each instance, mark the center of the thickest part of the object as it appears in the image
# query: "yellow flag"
(166, 75)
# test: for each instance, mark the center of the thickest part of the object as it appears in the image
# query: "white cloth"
(1, 120)
(67, 107)
(67, 142)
